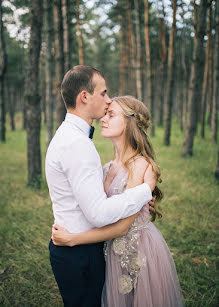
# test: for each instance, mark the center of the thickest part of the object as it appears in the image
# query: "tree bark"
(79, 35)
(206, 73)
(184, 75)
(161, 69)
(149, 100)
(123, 58)
(195, 17)
(180, 91)
(138, 52)
(210, 65)
(59, 57)
(32, 97)
(24, 118)
(49, 71)
(43, 87)
(3, 60)
(66, 29)
(195, 80)
(11, 105)
(217, 167)
(214, 118)
(170, 79)
(131, 53)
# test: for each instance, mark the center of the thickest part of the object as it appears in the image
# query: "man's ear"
(83, 96)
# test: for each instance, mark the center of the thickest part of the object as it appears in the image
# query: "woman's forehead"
(114, 107)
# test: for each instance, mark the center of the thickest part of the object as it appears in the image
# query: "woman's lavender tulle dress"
(140, 271)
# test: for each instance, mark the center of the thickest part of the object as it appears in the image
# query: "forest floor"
(188, 224)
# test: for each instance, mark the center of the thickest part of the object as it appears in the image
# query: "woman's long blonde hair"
(137, 121)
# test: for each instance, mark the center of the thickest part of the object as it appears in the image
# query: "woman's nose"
(104, 119)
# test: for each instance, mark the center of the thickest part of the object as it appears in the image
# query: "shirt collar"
(78, 122)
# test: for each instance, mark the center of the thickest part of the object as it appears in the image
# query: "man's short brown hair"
(77, 79)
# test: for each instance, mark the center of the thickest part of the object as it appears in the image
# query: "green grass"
(188, 224)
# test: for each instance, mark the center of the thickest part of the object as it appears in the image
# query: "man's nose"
(108, 100)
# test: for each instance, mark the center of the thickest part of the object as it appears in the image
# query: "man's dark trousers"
(79, 272)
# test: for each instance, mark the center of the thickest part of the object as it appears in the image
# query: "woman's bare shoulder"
(138, 168)
(140, 163)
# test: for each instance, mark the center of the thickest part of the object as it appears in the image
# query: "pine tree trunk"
(12, 103)
(80, 45)
(195, 18)
(217, 167)
(66, 29)
(43, 87)
(161, 68)
(2, 79)
(142, 53)
(22, 101)
(210, 65)
(24, 117)
(59, 58)
(131, 54)
(195, 80)
(215, 107)
(149, 100)
(180, 93)
(32, 97)
(206, 74)
(123, 62)
(138, 52)
(48, 71)
(184, 75)
(185, 99)
(161, 78)
(170, 79)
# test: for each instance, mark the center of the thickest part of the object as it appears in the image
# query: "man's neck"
(81, 115)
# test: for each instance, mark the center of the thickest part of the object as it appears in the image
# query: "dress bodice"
(118, 185)
(126, 247)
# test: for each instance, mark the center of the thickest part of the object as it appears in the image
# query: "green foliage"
(20, 3)
(15, 62)
(189, 220)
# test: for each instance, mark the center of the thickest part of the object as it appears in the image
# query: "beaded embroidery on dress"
(139, 267)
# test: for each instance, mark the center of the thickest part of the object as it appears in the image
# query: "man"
(75, 181)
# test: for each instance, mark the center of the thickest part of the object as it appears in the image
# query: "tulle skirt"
(140, 271)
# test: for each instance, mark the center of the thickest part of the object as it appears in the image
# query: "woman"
(139, 267)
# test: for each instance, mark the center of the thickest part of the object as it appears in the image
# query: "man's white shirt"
(75, 180)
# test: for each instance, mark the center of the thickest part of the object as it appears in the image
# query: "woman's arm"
(60, 236)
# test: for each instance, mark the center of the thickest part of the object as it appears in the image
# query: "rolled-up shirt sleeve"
(83, 172)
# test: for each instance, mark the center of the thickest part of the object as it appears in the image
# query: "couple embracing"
(93, 205)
